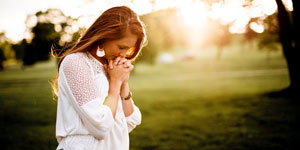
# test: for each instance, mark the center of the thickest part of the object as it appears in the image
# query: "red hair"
(113, 24)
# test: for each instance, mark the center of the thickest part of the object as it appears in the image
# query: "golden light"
(259, 28)
(194, 14)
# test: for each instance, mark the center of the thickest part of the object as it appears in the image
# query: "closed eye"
(123, 47)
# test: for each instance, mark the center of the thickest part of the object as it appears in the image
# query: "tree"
(39, 48)
(221, 38)
(288, 29)
(163, 31)
(46, 28)
(290, 43)
(4, 49)
(2, 58)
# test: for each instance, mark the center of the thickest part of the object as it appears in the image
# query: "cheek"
(111, 52)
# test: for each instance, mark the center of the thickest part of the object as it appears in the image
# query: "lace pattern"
(96, 65)
(78, 74)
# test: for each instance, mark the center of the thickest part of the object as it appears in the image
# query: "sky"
(13, 13)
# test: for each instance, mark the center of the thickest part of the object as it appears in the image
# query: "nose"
(122, 54)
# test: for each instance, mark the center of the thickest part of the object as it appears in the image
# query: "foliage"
(269, 42)
(5, 46)
(39, 48)
(269, 39)
(164, 30)
(167, 29)
(46, 28)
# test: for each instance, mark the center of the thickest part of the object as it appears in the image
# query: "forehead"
(129, 40)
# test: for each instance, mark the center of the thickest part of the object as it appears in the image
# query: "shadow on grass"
(272, 121)
(257, 122)
(27, 115)
(288, 93)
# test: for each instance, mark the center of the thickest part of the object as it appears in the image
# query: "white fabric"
(83, 122)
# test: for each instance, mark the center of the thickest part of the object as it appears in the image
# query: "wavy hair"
(113, 24)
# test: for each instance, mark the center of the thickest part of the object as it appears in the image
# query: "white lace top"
(83, 122)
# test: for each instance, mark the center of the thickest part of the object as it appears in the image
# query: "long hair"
(113, 24)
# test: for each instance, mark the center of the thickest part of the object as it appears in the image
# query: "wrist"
(124, 89)
(114, 87)
(124, 84)
(128, 97)
(116, 83)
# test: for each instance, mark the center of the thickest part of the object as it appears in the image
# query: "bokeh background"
(215, 74)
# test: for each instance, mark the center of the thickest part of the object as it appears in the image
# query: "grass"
(187, 105)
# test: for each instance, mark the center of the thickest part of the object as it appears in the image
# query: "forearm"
(127, 107)
(124, 89)
(127, 104)
(113, 96)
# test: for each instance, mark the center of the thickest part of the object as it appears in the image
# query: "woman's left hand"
(124, 63)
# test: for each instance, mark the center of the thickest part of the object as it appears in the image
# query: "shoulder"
(74, 60)
(75, 56)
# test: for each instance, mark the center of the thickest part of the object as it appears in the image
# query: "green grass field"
(187, 105)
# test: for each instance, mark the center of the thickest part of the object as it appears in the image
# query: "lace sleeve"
(88, 101)
(79, 77)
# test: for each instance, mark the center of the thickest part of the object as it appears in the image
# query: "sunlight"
(259, 28)
(231, 13)
(227, 13)
(194, 14)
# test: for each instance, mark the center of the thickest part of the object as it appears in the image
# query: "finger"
(126, 65)
(110, 64)
(116, 61)
(128, 62)
(122, 61)
(105, 66)
(130, 67)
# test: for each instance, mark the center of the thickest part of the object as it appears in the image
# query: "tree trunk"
(219, 52)
(287, 39)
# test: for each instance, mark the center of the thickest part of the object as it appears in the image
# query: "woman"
(95, 109)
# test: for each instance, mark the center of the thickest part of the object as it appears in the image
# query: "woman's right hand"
(117, 72)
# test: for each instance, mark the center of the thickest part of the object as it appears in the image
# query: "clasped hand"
(119, 69)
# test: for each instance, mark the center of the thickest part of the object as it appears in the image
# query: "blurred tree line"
(43, 30)
(4, 47)
(165, 30)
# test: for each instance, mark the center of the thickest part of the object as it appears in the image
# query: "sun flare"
(194, 14)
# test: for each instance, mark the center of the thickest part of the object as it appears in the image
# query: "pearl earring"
(100, 52)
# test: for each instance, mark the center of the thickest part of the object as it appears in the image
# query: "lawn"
(203, 103)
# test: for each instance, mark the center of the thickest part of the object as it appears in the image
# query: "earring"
(100, 52)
